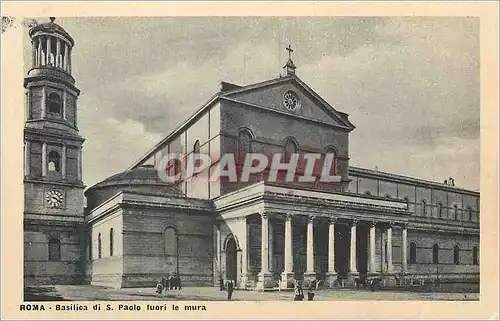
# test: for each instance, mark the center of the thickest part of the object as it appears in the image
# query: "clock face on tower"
(54, 198)
(291, 100)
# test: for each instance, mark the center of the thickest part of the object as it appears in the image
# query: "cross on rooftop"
(290, 50)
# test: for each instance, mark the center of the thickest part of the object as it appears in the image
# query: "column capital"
(404, 225)
(354, 222)
(332, 220)
(372, 223)
(264, 215)
(311, 218)
(288, 217)
(390, 224)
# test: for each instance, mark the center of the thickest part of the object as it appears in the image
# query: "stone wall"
(148, 255)
(38, 269)
(107, 267)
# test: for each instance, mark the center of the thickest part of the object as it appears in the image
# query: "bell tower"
(53, 187)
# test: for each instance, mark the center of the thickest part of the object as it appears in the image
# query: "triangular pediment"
(271, 94)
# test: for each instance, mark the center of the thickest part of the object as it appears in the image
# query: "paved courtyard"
(91, 293)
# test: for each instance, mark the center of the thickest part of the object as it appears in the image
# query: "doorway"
(231, 259)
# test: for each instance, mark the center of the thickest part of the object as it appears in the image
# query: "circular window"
(291, 100)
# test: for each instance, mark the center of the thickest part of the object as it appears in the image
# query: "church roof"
(227, 90)
(141, 175)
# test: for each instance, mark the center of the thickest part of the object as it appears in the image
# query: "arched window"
(290, 148)
(424, 207)
(413, 253)
(54, 103)
(173, 167)
(475, 255)
(456, 254)
(54, 161)
(440, 209)
(244, 145)
(170, 241)
(455, 211)
(469, 213)
(99, 246)
(435, 254)
(111, 241)
(196, 147)
(54, 249)
(335, 164)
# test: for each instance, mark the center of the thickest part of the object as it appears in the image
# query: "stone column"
(287, 275)
(404, 249)
(28, 105)
(27, 158)
(39, 52)
(44, 103)
(69, 60)
(352, 266)
(44, 159)
(49, 49)
(389, 248)
(58, 53)
(65, 58)
(270, 246)
(75, 110)
(310, 274)
(63, 162)
(373, 268)
(265, 243)
(215, 246)
(65, 93)
(79, 164)
(265, 277)
(331, 276)
(33, 53)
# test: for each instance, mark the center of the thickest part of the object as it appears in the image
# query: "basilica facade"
(136, 227)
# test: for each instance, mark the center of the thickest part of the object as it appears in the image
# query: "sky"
(409, 84)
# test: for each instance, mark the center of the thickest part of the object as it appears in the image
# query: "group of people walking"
(168, 283)
(299, 292)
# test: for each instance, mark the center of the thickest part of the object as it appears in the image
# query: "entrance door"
(231, 265)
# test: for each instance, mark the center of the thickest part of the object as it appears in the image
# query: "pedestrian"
(221, 283)
(310, 293)
(167, 282)
(298, 292)
(159, 289)
(230, 288)
(171, 282)
(179, 281)
(164, 282)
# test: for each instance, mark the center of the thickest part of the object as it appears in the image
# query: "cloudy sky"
(410, 85)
